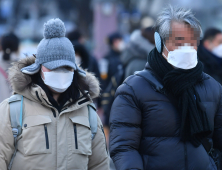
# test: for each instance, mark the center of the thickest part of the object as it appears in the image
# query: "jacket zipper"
(54, 112)
(75, 134)
(51, 106)
(46, 137)
(37, 94)
(105, 137)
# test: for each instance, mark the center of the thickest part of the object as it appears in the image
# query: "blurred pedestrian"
(83, 58)
(169, 116)
(9, 54)
(114, 76)
(210, 53)
(116, 47)
(135, 55)
(60, 129)
(76, 36)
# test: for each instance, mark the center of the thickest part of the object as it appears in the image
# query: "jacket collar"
(39, 96)
(22, 84)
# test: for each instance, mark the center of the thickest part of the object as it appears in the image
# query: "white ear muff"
(158, 42)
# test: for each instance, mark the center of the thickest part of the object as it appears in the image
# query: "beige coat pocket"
(81, 134)
(35, 135)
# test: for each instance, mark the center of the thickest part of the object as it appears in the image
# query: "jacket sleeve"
(217, 136)
(6, 136)
(125, 130)
(99, 160)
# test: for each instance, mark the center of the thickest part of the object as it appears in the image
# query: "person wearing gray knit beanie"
(51, 122)
(54, 50)
(56, 58)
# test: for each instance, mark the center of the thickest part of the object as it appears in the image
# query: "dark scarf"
(181, 84)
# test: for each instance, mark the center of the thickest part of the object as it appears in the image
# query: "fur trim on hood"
(20, 81)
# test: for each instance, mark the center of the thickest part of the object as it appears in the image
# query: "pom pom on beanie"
(54, 28)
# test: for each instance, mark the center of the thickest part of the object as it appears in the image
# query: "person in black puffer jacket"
(210, 53)
(83, 57)
(85, 60)
(135, 55)
(164, 117)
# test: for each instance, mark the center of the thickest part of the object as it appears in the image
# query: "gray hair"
(169, 14)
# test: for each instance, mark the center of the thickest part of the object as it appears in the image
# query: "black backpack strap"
(152, 79)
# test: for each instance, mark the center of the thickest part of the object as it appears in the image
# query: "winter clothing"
(134, 57)
(92, 66)
(113, 59)
(145, 125)
(180, 83)
(87, 61)
(55, 50)
(212, 63)
(68, 149)
(109, 85)
(108, 95)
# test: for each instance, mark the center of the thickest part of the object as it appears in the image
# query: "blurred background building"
(94, 18)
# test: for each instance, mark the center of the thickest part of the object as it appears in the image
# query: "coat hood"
(137, 38)
(20, 82)
(138, 48)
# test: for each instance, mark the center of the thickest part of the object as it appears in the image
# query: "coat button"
(25, 125)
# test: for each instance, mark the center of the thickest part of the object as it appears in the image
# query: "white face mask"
(78, 60)
(218, 51)
(121, 46)
(184, 58)
(59, 79)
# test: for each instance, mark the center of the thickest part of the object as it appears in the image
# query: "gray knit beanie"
(54, 50)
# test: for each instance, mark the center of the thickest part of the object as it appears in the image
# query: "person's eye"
(179, 38)
(68, 68)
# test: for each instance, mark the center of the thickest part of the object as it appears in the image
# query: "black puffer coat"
(212, 63)
(145, 127)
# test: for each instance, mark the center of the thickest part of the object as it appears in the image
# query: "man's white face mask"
(59, 79)
(218, 51)
(185, 57)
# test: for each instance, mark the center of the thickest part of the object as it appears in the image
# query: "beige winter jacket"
(48, 142)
